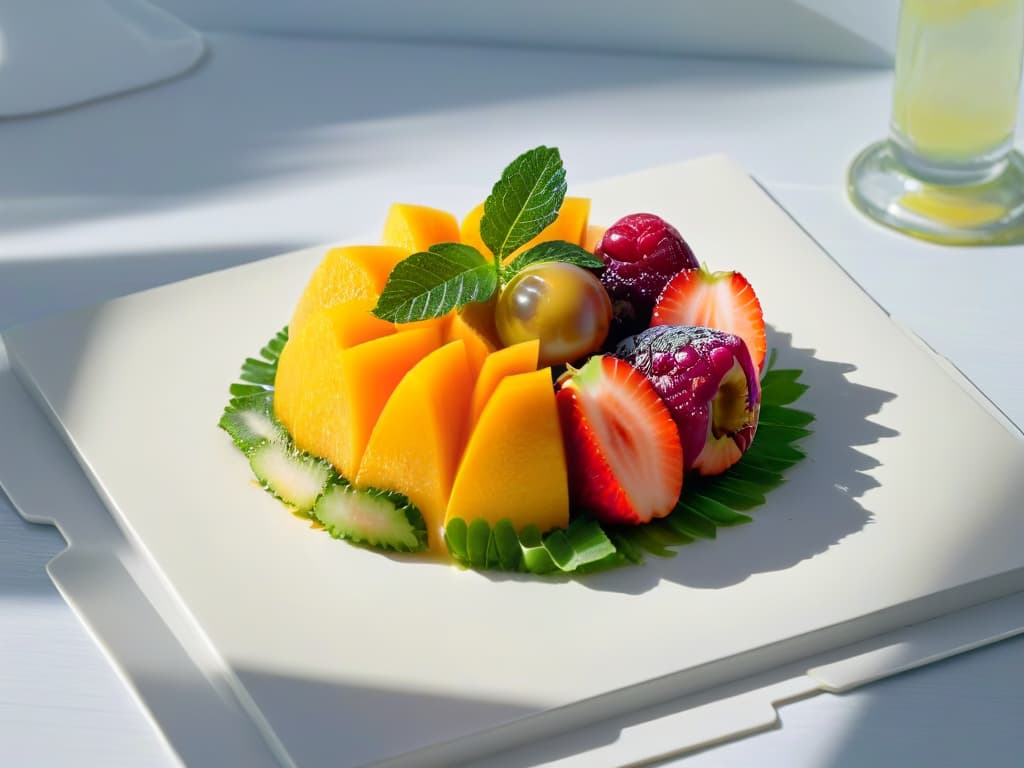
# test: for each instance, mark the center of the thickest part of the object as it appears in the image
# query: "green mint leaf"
(524, 201)
(554, 250)
(431, 284)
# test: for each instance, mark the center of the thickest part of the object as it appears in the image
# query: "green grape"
(562, 305)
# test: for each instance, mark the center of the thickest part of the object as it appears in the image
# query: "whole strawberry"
(641, 252)
(710, 385)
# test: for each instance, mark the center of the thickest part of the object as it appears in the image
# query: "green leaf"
(668, 535)
(783, 416)
(455, 536)
(258, 371)
(477, 537)
(239, 389)
(777, 433)
(782, 392)
(431, 284)
(536, 558)
(765, 479)
(510, 554)
(272, 351)
(560, 550)
(588, 540)
(715, 511)
(692, 525)
(553, 250)
(627, 547)
(524, 201)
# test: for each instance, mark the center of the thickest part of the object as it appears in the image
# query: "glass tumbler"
(948, 171)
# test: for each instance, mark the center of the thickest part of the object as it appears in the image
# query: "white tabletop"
(274, 144)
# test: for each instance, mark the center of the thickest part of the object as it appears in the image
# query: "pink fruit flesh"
(623, 449)
(710, 386)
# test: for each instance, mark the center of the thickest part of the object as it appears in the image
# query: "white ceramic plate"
(906, 508)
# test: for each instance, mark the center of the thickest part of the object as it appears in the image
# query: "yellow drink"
(958, 72)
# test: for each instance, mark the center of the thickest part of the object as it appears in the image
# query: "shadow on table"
(33, 288)
(261, 109)
(817, 506)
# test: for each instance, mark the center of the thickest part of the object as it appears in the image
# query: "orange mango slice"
(329, 396)
(351, 272)
(518, 358)
(417, 227)
(571, 225)
(418, 439)
(592, 236)
(514, 462)
(332, 330)
(478, 345)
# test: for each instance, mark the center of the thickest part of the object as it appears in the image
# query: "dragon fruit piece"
(710, 385)
(641, 252)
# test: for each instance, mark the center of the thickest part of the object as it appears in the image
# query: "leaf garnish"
(433, 283)
(553, 250)
(524, 201)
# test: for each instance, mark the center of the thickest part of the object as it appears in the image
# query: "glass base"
(986, 213)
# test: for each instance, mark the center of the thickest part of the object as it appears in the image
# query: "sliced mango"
(571, 225)
(417, 227)
(328, 396)
(478, 345)
(312, 351)
(514, 462)
(417, 441)
(351, 272)
(518, 358)
(592, 236)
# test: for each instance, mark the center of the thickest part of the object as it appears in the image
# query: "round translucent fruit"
(562, 305)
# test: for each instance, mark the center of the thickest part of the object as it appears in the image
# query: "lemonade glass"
(948, 172)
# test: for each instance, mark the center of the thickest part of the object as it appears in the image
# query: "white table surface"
(276, 143)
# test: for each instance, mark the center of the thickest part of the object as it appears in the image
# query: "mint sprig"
(433, 283)
(553, 250)
(523, 202)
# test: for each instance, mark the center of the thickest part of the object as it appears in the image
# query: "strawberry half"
(721, 300)
(622, 446)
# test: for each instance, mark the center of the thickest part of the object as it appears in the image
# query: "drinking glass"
(948, 172)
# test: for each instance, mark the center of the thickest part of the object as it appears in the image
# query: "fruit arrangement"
(521, 391)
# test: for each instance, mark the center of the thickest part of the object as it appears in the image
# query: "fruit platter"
(524, 390)
(506, 606)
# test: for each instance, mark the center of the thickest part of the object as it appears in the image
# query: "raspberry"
(641, 252)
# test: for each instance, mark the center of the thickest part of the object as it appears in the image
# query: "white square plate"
(907, 508)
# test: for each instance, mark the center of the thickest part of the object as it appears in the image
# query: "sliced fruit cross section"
(295, 478)
(351, 272)
(519, 358)
(724, 301)
(314, 350)
(470, 325)
(622, 445)
(417, 227)
(514, 463)
(329, 396)
(369, 516)
(418, 439)
(710, 385)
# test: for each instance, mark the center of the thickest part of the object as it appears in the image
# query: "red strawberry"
(622, 446)
(721, 300)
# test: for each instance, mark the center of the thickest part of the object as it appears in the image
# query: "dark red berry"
(710, 385)
(642, 252)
